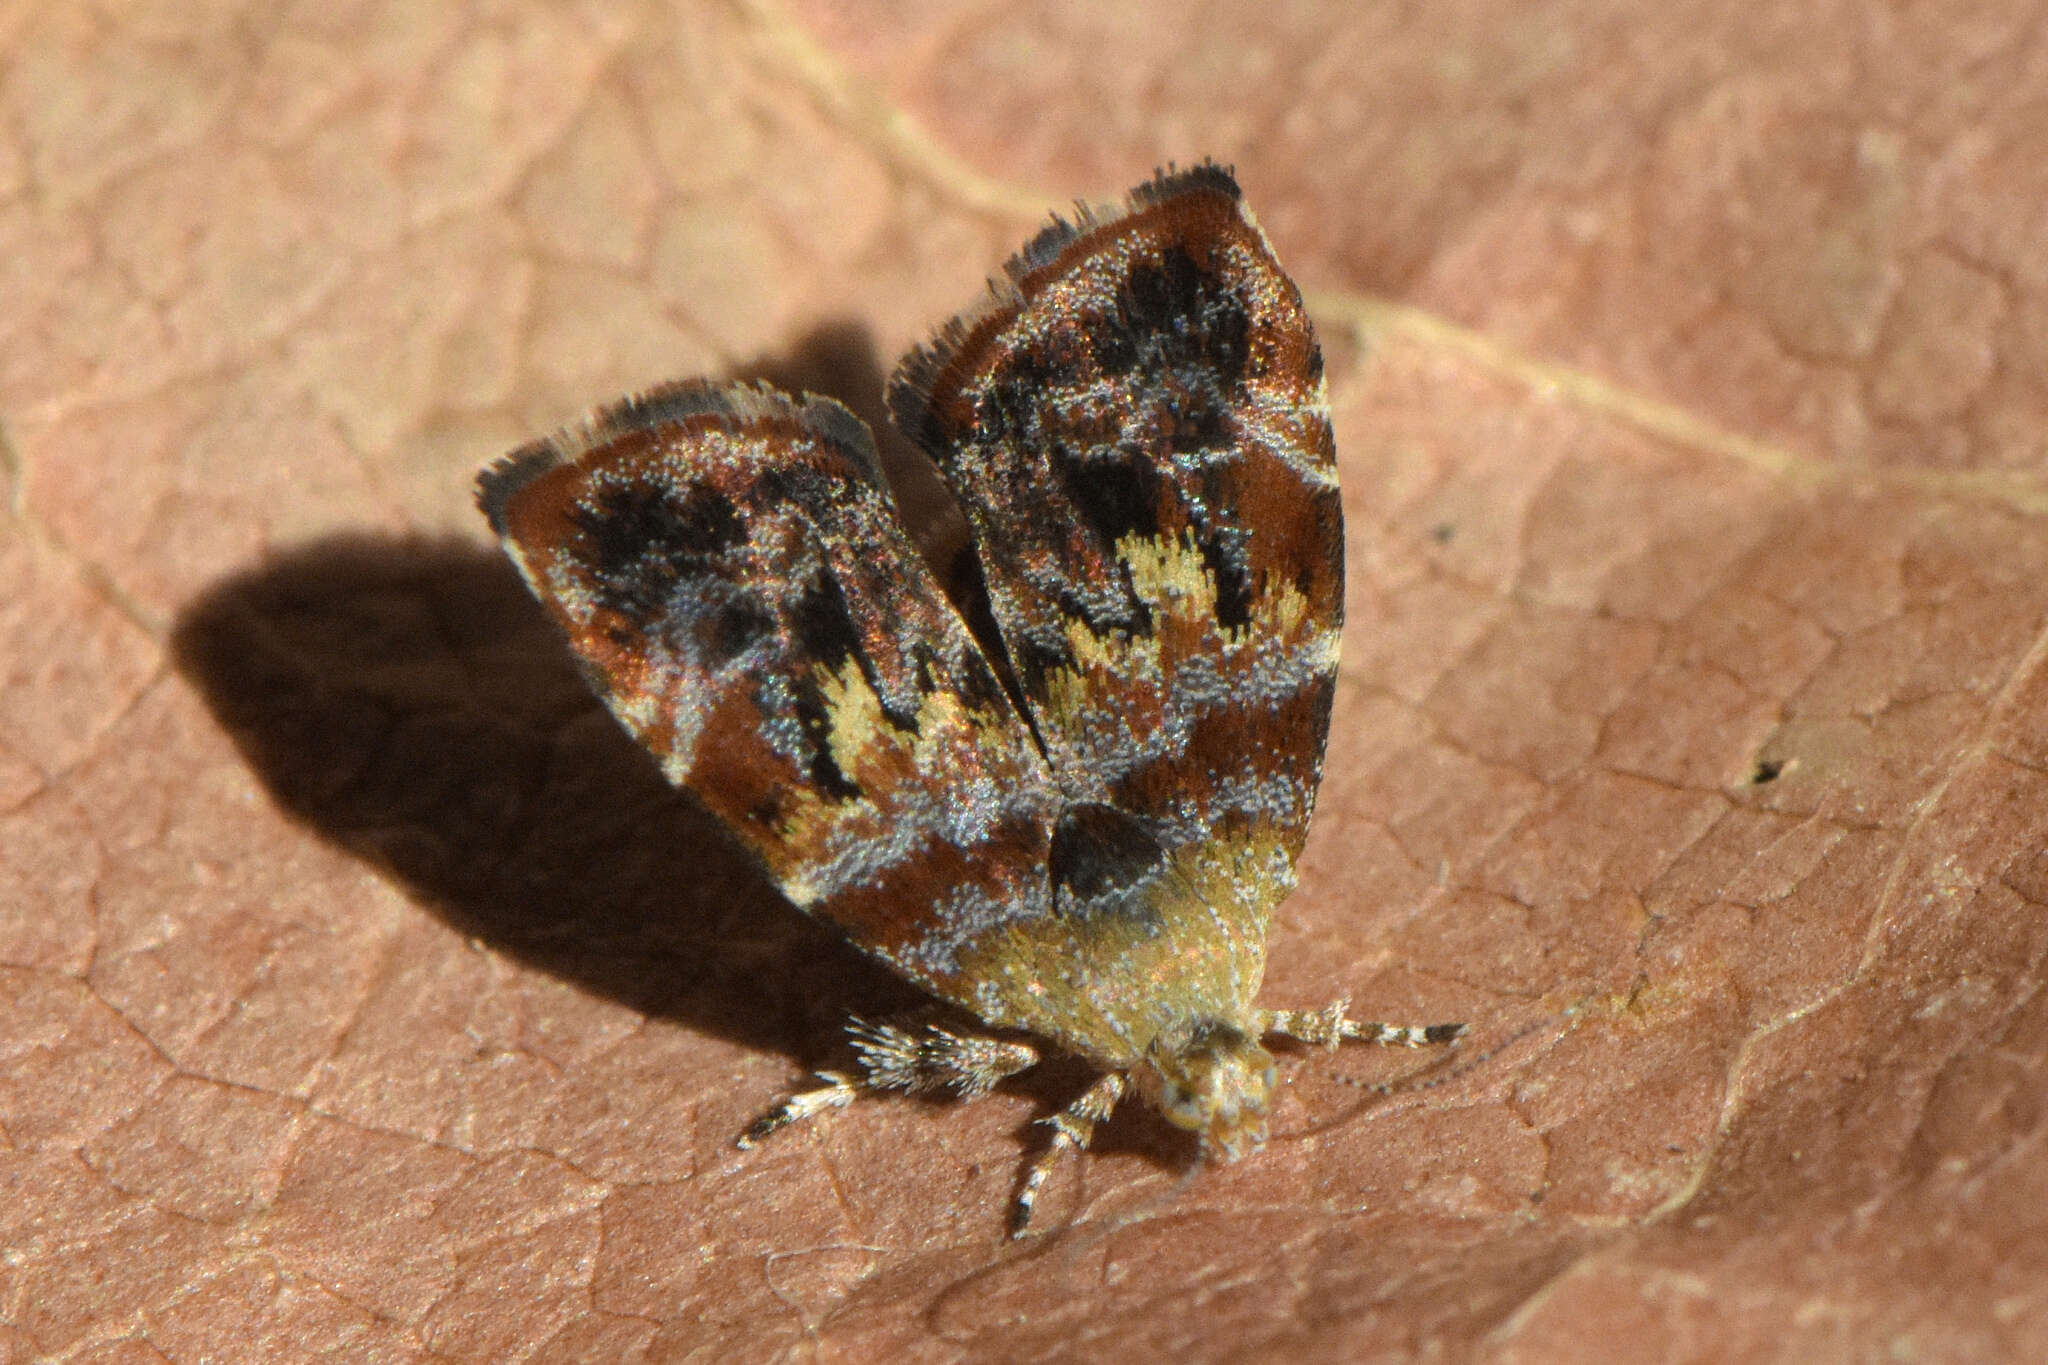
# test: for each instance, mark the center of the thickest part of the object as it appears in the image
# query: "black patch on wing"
(1125, 614)
(1119, 492)
(827, 634)
(813, 490)
(643, 542)
(1182, 337)
(1013, 406)
(823, 770)
(824, 628)
(1223, 552)
(1037, 658)
(736, 627)
(826, 637)
(1103, 861)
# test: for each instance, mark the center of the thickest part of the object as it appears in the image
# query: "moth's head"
(1214, 1080)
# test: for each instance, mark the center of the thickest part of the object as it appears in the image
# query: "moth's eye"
(1182, 1106)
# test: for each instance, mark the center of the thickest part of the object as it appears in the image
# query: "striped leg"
(1329, 1027)
(1072, 1129)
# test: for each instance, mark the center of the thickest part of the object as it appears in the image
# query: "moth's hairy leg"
(917, 1059)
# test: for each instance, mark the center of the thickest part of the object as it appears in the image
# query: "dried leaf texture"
(366, 992)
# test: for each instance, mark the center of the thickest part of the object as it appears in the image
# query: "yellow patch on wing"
(1172, 578)
(880, 759)
(860, 739)
(1170, 575)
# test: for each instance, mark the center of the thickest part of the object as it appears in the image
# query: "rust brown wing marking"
(1136, 427)
(728, 565)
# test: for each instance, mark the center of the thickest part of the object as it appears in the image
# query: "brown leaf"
(367, 994)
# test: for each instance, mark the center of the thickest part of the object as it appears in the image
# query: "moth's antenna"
(1412, 1086)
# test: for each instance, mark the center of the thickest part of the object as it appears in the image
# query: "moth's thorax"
(1212, 1078)
(1156, 972)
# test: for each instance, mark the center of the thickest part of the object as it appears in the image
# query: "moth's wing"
(729, 568)
(1136, 426)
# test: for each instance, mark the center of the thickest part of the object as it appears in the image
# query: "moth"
(1075, 833)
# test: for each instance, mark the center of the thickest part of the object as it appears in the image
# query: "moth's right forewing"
(728, 565)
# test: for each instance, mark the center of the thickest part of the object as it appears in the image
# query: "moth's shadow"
(409, 701)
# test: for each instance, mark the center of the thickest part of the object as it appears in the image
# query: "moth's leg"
(918, 1060)
(1329, 1027)
(1072, 1128)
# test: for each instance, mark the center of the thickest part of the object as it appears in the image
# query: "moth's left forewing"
(1136, 427)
